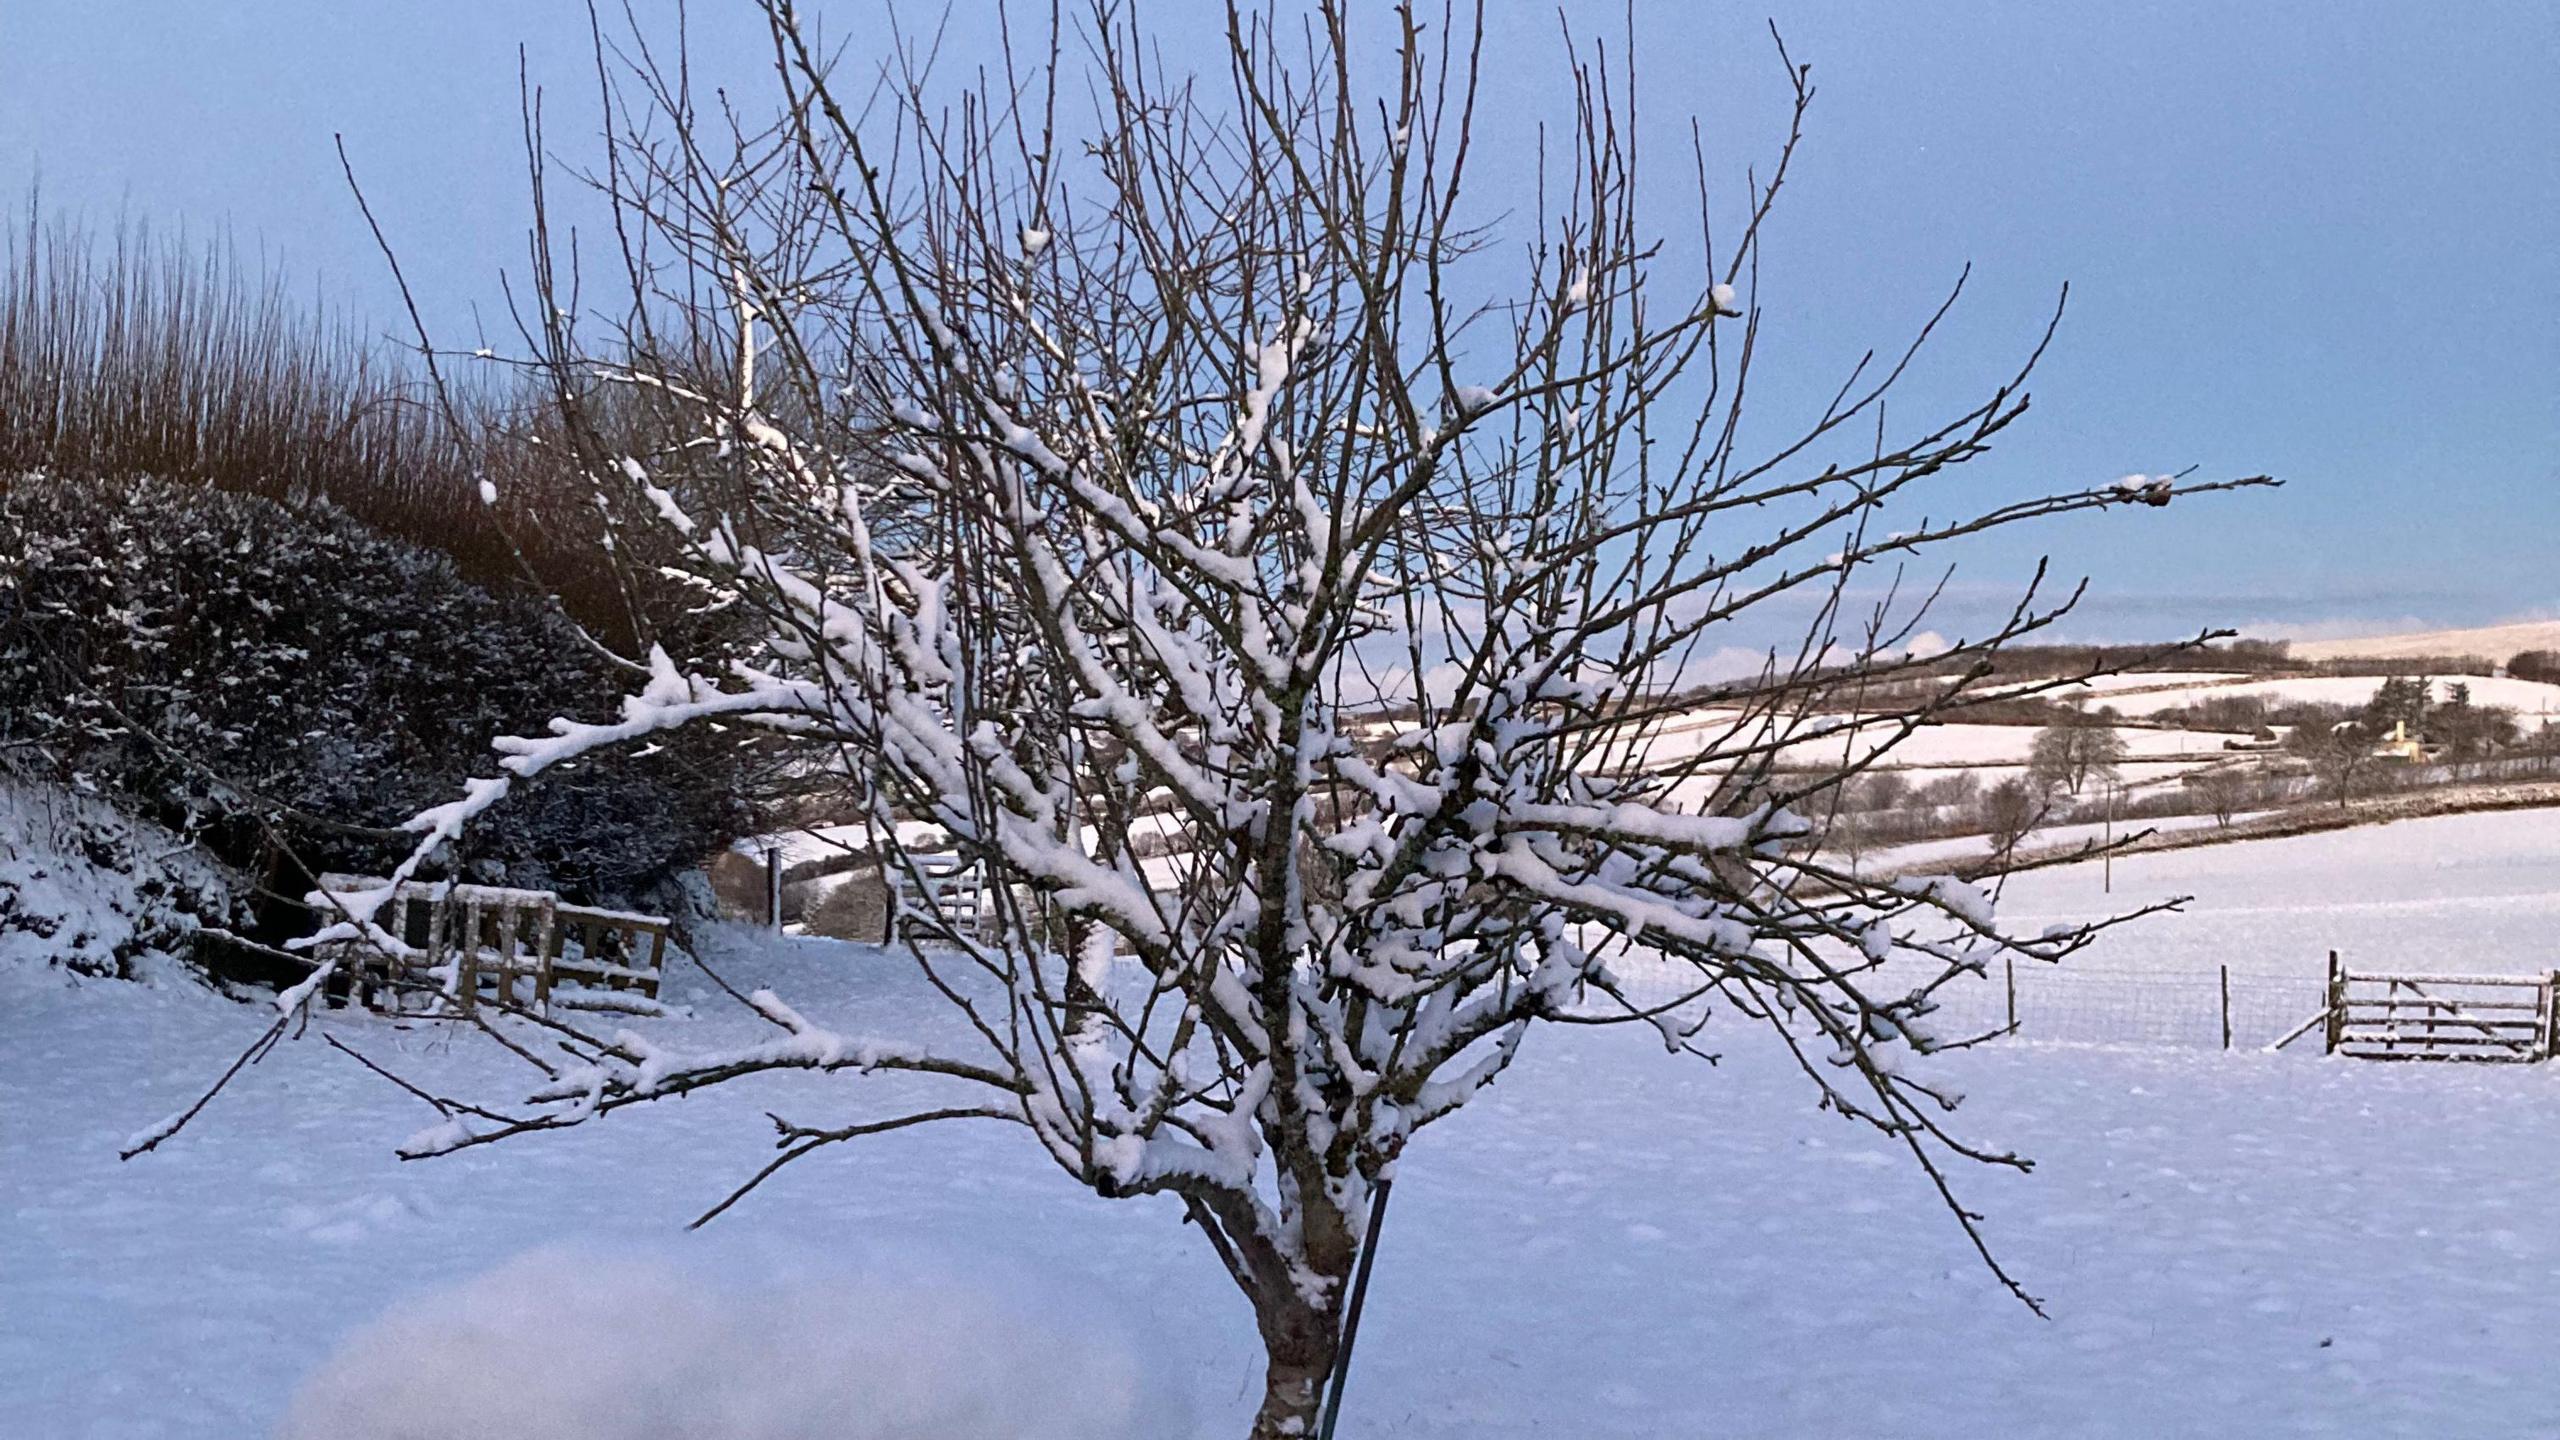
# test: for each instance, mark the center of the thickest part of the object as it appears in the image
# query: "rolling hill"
(2492, 642)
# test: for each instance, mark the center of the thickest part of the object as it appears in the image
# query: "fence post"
(2107, 857)
(2009, 968)
(2334, 1030)
(2551, 1016)
(2226, 1007)
(773, 886)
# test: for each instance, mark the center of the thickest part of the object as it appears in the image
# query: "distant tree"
(2496, 727)
(2222, 790)
(2256, 655)
(2541, 665)
(2244, 713)
(2011, 810)
(1875, 809)
(2338, 754)
(2454, 724)
(1879, 791)
(2468, 731)
(2074, 750)
(2543, 744)
(1949, 792)
(2399, 701)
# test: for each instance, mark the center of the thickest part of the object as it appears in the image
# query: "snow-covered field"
(1952, 744)
(2495, 642)
(2530, 699)
(1987, 753)
(2460, 893)
(1999, 745)
(1611, 1243)
(1920, 854)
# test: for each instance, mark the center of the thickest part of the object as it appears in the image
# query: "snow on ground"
(2152, 680)
(1988, 753)
(2449, 894)
(924, 1355)
(56, 904)
(1611, 1242)
(835, 842)
(2530, 699)
(1920, 854)
(1953, 744)
(2494, 642)
(2473, 892)
(1987, 745)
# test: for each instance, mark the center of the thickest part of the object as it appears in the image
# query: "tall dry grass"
(134, 353)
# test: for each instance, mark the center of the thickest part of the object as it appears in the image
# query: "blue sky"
(2321, 241)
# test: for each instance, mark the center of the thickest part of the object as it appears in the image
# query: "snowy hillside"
(1610, 1244)
(2491, 642)
(2532, 700)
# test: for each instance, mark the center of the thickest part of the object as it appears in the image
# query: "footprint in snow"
(348, 1221)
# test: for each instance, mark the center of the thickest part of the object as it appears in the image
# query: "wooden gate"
(462, 944)
(2387, 1016)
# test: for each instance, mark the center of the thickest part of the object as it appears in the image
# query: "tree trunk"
(1298, 1356)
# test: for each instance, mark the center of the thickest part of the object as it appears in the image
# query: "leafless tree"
(2011, 811)
(2075, 749)
(2340, 755)
(2223, 789)
(1114, 454)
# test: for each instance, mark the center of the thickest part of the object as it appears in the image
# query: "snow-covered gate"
(2374, 1015)
(948, 886)
(475, 942)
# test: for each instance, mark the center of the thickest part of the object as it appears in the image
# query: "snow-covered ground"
(2473, 893)
(2530, 699)
(1995, 745)
(1920, 854)
(2478, 893)
(836, 842)
(2151, 680)
(1610, 1243)
(2494, 642)
(1953, 744)
(1987, 753)
(57, 904)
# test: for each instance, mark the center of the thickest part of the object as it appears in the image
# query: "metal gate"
(2385, 1016)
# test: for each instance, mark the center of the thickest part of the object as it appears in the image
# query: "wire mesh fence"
(2203, 1008)
(2219, 1008)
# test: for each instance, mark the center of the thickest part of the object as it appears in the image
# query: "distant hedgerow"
(271, 679)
